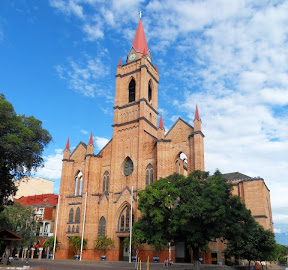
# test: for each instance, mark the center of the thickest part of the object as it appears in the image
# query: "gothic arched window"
(149, 91)
(69, 228)
(77, 215)
(149, 175)
(132, 86)
(101, 227)
(71, 215)
(124, 219)
(77, 228)
(78, 184)
(106, 182)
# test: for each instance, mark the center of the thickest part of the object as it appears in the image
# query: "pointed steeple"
(161, 130)
(161, 122)
(144, 52)
(66, 154)
(139, 42)
(197, 120)
(197, 113)
(67, 148)
(156, 67)
(91, 139)
(119, 63)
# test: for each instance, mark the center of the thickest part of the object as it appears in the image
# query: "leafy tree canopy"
(197, 209)
(22, 141)
(17, 218)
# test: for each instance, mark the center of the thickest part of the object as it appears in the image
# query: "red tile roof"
(46, 199)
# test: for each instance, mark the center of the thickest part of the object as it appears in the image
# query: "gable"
(79, 152)
(180, 131)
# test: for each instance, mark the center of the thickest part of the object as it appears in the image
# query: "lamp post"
(34, 214)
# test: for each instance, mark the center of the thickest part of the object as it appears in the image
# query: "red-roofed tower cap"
(119, 63)
(197, 113)
(156, 67)
(139, 42)
(91, 139)
(161, 122)
(67, 145)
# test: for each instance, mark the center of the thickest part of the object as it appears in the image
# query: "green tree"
(17, 218)
(22, 141)
(178, 208)
(75, 243)
(252, 243)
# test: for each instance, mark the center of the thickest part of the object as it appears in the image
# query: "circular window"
(128, 166)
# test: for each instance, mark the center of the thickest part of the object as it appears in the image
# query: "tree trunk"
(196, 258)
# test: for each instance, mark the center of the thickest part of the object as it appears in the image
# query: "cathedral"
(97, 190)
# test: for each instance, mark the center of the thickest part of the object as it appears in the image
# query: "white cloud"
(52, 166)
(277, 230)
(70, 7)
(85, 132)
(85, 77)
(100, 142)
(93, 31)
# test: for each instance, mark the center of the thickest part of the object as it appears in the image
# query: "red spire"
(119, 63)
(161, 122)
(67, 145)
(156, 67)
(197, 113)
(139, 43)
(91, 139)
(144, 51)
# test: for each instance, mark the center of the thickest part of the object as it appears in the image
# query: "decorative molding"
(68, 160)
(196, 132)
(136, 103)
(74, 203)
(78, 196)
(135, 121)
(121, 193)
(261, 216)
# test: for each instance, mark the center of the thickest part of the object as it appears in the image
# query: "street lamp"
(34, 214)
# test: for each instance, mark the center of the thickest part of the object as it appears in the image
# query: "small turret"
(197, 121)
(161, 129)
(90, 146)
(66, 154)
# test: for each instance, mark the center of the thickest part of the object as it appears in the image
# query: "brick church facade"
(95, 191)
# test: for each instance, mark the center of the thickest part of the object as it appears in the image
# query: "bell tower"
(136, 91)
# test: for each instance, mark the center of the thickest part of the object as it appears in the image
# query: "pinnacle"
(197, 113)
(161, 122)
(91, 139)
(67, 145)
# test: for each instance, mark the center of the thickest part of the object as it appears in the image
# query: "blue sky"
(58, 60)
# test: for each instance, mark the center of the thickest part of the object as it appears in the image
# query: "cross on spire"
(140, 14)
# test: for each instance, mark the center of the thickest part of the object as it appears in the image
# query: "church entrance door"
(123, 251)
